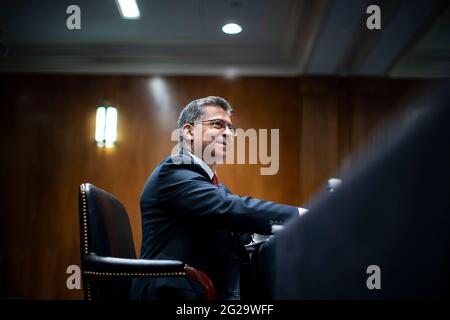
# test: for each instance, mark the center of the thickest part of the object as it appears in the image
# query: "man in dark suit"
(187, 215)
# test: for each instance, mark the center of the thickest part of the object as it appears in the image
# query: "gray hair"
(193, 111)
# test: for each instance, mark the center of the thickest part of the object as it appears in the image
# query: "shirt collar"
(202, 164)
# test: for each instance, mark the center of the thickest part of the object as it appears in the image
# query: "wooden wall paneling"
(47, 130)
(319, 133)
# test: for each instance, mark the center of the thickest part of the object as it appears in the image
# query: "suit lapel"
(191, 164)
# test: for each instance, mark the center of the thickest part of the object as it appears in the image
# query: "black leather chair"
(108, 257)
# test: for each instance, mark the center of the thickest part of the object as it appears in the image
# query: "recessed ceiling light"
(231, 73)
(128, 9)
(232, 28)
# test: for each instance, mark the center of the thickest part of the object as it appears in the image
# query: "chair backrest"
(105, 231)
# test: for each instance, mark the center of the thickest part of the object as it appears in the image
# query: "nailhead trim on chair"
(135, 274)
(85, 231)
(89, 291)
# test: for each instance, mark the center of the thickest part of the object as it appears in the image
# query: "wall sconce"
(106, 126)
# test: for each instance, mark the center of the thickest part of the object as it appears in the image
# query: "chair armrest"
(204, 281)
(98, 265)
(120, 267)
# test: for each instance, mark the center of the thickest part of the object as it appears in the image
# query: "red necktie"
(215, 180)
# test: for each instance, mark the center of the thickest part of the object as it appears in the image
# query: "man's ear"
(187, 132)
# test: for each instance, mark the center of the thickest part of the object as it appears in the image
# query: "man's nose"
(227, 131)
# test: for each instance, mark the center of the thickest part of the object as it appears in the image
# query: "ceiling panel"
(280, 37)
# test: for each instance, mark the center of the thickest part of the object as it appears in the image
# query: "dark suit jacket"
(185, 217)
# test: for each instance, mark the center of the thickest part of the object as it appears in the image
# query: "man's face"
(212, 132)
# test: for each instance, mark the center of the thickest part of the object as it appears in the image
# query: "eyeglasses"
(220, 124)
